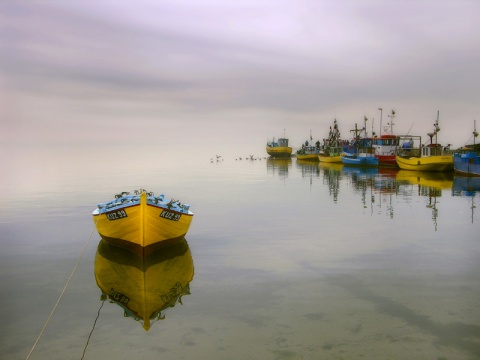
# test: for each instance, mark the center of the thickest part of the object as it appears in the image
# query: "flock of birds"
(249, 157)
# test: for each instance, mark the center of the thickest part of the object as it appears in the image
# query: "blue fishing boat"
(363, 157)
(364, 153)
(467, 160)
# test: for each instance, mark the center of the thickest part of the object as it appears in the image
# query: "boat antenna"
(408, 133)
(391, 121)
(437, 128)
(475, 134)
(381, 116)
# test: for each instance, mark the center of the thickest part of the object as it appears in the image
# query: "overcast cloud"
(244, 68)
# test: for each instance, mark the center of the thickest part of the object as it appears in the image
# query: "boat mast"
(391, 121)
(475, 134)
(381, 115)
(437, 128)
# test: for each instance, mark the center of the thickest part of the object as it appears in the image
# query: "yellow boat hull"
(307, 157)
(279, 151)
(144, 286)
(330, 159)
(142, 228)
(429, 163)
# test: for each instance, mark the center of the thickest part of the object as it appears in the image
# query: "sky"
(229, 75)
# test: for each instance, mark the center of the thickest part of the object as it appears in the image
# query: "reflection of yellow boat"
(278, 166)
(437, 180)
(144, 286)
(142, 222)
(331, 166)
(306, 163)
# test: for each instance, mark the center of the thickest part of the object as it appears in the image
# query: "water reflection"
(466, 186)
(278, 166)
(428, 184)
(332, 174)
(426, 179)
(362, 181)
(309, 169)
(144, 286)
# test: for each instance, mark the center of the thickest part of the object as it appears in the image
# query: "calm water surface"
(284, 260)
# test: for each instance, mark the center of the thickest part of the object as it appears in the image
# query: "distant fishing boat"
(386, 144)
(279, 148)
(332, 146)
(467, 160)
(363, 157)
(413, 155)
(145, 287)
(142, 222)
(308, 151)
(364, 154)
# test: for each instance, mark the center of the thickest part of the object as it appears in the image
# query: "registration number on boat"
(116, 215)
(169, 215)
(117, 296)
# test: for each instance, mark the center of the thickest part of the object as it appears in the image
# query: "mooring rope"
(61, 294)
(93, 328)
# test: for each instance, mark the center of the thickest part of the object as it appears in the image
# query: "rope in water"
(93, 328)
(61, 295)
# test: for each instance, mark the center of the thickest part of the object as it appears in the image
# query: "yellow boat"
(142, 222)
(144, 286)
(425, 163)
(327, 157)
(332, 146)
(308, 153)
(412, 155)
(279, 149)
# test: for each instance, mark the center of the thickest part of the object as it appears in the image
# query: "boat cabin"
(283, 142)
(432, 150)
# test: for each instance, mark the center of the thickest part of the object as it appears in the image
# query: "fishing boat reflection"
(332, 173)
(362, 180)
(144, 286)
(279, 166)
(426, 179)
(466, 186)
(377, 186)
(307, 167)
(429, 184)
